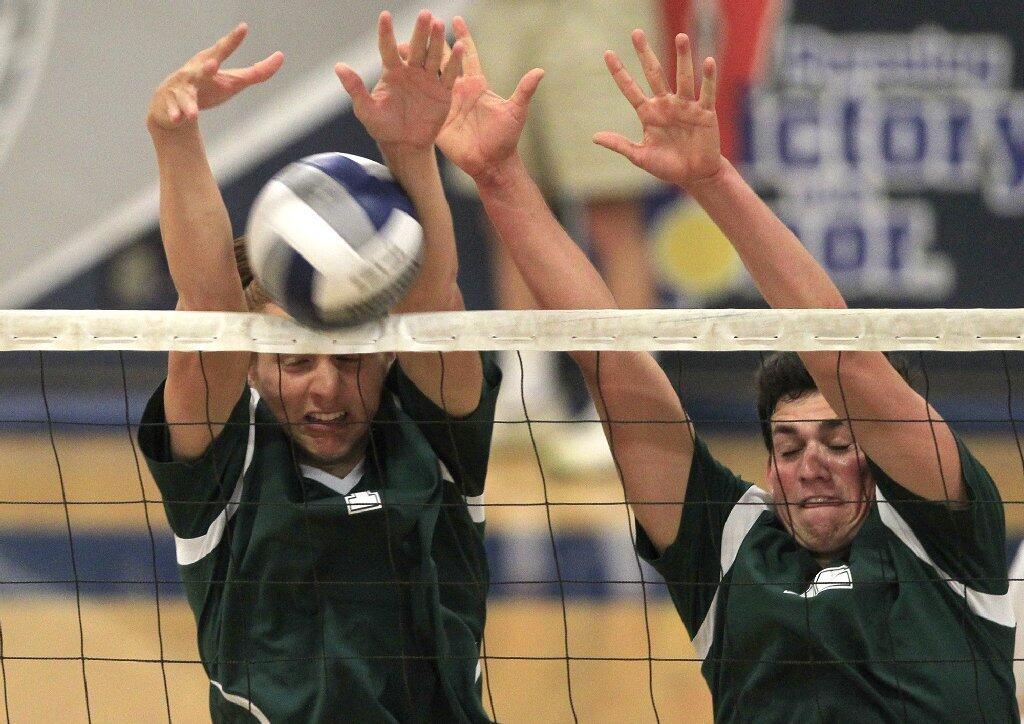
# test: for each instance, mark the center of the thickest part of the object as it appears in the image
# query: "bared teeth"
(820, 501)
(325, 417)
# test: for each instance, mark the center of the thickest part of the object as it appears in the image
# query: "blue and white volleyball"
(334, 240)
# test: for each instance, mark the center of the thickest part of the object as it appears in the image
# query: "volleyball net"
(94, 622)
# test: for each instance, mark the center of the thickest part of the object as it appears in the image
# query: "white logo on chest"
(363, 502)
(827, 579)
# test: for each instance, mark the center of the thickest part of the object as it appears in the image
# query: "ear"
(867, 480)
(385, 359)
(250, 375)
(771, 473)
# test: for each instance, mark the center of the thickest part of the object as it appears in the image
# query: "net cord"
(721, 330)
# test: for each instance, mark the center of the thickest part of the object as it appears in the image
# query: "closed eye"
(295, 362)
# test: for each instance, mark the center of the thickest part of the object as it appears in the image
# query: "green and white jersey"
(318, 598)
(914, 623)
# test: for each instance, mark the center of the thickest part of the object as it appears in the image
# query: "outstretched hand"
(202, 84)
(482, 128)
(409, 104)
(681, 143)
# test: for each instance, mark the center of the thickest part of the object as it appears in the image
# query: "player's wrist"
(414, 168)
(403, 153)
(181, 155)
(713, 183)
(164, 134)
(502, 176)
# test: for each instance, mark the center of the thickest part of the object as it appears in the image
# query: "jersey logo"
(363, 502)
(827, 579)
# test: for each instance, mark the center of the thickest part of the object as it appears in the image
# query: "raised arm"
(404, 113)
(480, 137)
(680, 145)
(197, 237)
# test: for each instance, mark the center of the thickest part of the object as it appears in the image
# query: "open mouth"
(323, 421)
(820, 501)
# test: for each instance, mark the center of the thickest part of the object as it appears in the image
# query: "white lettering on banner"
(852, 129)
(905, 141)
(910, 110)
(871, 246)
(1005, 193)
(929, 56)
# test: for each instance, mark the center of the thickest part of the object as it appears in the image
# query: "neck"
(824, 559)
(339, 467)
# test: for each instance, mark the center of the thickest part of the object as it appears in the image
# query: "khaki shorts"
(577, 98)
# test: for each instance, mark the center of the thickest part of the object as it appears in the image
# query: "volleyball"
(333, 239)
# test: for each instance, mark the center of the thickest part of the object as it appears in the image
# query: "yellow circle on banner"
(692, 253)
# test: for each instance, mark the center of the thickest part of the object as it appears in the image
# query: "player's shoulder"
(262, 444)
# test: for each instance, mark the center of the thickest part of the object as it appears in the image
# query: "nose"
(326, 382)
(812, 462)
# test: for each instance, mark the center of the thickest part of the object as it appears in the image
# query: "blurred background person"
(599, 199)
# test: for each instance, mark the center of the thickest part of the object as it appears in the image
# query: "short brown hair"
(256, 296)
(781, 376)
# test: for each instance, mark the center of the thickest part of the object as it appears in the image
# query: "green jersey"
(913, 623)
(320, 598)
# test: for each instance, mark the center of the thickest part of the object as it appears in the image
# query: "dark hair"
(782, 376)
(256, 296)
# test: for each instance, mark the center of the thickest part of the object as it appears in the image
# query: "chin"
(829, 541)
(335, 453)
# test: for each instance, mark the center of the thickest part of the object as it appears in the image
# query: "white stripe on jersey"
(192, 550)
(996, 608)
(1016, 593)
(475, 503)
(741, 519)
(476, 507)
(244, 703)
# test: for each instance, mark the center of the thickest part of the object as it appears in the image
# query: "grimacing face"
(326, 402)
(818, 477)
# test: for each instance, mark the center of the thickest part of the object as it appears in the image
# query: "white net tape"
(577, 330)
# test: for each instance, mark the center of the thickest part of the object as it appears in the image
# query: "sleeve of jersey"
(965, 543)
(463, 444)
(692, 565)
(195, 492)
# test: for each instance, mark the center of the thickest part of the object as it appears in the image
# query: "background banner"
(77, 175)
